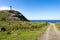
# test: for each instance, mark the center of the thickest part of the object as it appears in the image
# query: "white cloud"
(4, 8)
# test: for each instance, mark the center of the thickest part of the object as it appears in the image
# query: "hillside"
(11, 15)
(14, 26)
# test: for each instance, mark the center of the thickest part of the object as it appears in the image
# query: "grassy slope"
(21, 30)
(21, 35)
(17, 30)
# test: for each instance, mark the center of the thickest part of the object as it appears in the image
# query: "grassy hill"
(14, 26)
(11, 15)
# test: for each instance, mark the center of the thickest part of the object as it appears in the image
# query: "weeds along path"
(50, 34)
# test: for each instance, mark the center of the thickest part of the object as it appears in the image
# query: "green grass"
(17, 30)
(21, 35)
(58, 25)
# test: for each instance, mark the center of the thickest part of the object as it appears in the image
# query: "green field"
(17, 30)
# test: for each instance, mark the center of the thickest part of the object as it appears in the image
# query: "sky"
(34, 9)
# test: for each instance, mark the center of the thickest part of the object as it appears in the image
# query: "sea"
(53, 21)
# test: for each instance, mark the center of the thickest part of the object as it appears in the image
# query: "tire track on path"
(50, 34)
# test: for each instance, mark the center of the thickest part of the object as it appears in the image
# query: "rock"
(2, 29)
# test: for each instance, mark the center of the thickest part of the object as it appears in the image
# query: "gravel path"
(51, 33)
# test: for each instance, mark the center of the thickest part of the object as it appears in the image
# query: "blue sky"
(35, 9)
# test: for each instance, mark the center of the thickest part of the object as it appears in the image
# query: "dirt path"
(51, 33)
